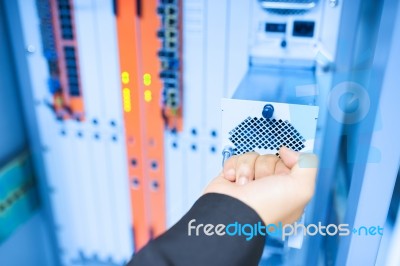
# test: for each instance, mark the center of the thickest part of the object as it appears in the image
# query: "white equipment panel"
(85, 161)
(245, 129)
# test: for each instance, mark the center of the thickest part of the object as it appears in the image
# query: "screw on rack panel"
(283, 43)
(333, 3)
(268, 111)
(227, 152)
(31, 49)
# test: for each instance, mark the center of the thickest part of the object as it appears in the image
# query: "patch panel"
(171, 63)
(172, 99)
(60, 50)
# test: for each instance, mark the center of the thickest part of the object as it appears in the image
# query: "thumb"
(288, 156)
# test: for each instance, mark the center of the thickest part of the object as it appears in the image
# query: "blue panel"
(377, 164)
(30, 240)
(12, 131)
(29, 237)
(28, 245)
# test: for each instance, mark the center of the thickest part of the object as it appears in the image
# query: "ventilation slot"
(269, 134)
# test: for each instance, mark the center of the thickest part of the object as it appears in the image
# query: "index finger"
(229, 168)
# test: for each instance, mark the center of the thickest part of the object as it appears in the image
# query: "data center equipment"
(141, 86)
(170, 55)
(123, 107)
(60, 48)
(287, 32)
(127, 149)
(264, 127)
(82, 164)
(140, 147)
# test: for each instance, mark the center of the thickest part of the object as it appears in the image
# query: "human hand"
(278, 189)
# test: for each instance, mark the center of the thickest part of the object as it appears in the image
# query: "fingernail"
(243, 180)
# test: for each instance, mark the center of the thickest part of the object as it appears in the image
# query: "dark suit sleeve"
(176, 247)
